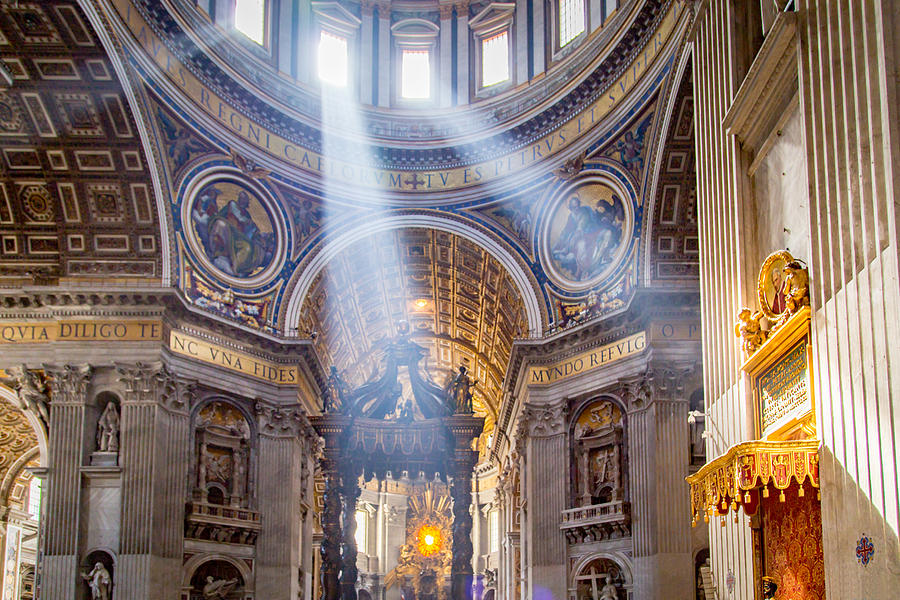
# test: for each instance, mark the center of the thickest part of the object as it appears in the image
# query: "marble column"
(137, 449)
(278, 488)
(62, 495)
(659, 459)
(545, 482)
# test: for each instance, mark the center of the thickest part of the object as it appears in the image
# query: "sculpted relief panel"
(598, 450)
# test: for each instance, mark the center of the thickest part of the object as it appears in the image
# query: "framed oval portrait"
(770, 286)
(233, 229)
(587, 233)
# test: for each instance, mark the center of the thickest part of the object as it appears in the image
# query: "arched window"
(337, 32)
(492, 28)
(415, 43)
(249, 17)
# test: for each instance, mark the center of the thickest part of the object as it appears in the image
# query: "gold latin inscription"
(80, 330)
(783, 389)
(592, 359)
(232, 360)
(313, 163)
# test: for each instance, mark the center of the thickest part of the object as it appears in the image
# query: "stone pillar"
(366, 53)
(350, 494)
(330, 550)
(462, 52)
(659, 460)
(545, 483)
(278, 488)
(445, 89)
(521, 41)
(62, 496)
(461, 494)
(139, 443)
(385, 56)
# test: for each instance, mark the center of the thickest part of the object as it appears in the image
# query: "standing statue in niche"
(609, 591)
(108, 429)
(218, 589)
(100, 582)
(459, 393)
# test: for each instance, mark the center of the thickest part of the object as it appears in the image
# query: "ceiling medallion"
(10, 117)
(233, 228)
(36, 203)
(587, 233)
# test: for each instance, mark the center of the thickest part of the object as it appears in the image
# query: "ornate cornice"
(544, 420)
(283, 422)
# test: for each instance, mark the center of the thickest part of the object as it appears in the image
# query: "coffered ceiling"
(75, 192)
(459, 301)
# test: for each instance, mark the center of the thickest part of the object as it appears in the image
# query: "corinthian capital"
(68, 383)
(544, 420)
(277, 421)
(141, 380)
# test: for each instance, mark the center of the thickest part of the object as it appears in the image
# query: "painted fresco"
(586, 232)
(234, 229)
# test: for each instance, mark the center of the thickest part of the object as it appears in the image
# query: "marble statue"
(218, 589)
(100, 582)
(108, 429)
(459, 392)
(609, 591)
(31, 391)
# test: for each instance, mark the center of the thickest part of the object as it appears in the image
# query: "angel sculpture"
(108, 429)
(749, 328)
(218, 589)
(335, 396)
(31, 391)
(795, 286)
(459, 394)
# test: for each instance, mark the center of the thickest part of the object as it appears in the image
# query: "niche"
(598, 453)
(222, 437)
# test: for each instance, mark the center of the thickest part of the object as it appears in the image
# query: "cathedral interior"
(449, 299)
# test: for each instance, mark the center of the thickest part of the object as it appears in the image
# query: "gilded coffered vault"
(76, 199)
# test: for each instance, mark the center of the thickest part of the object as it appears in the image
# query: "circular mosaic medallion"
(10, 117)
(232, 228)
(36, 203)
(587, 233)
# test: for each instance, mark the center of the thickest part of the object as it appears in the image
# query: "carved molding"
(276, 421)
(69, 383)
(544, 420)
(141, 380)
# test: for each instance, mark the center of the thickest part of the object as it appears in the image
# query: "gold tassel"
(800, 492)
(706, 518)
(781, 496)
(746, 497)
(766, 492)
(722, 521)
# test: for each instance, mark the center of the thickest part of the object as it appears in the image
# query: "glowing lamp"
(429, 540)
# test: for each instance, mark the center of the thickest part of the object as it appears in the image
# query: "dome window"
(571, 20)
(333, 65)
(250, 19)
(492, 29)
(415, 43)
